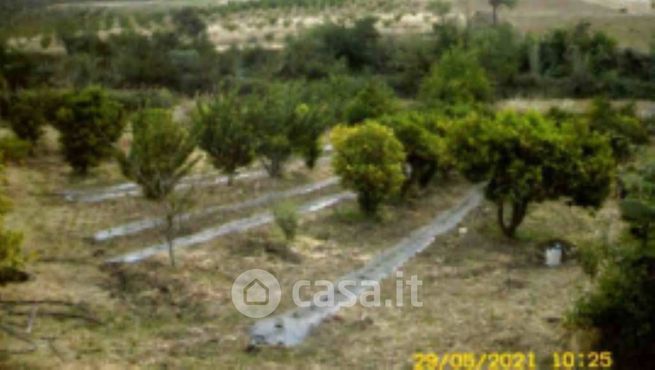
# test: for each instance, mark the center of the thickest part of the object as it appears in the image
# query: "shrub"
(370, 161)
(14, 149)
(621, 124)
(225, 133)
(620, 305)
(423, 137)
(30, 111)
(12, 258)
(26, 117)
(374, 100)
(527, 158)
(286, 218)
(457, 78)
(89, 122)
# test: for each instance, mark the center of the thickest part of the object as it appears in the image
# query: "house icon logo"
(256, 293)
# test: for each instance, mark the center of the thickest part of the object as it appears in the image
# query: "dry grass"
(153, 315)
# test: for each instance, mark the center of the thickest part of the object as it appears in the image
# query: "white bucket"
(554, 256)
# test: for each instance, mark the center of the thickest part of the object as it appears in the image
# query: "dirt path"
(138, 226)
(291, 328)
(237, 226)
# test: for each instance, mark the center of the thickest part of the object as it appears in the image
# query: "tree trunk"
(518, 214)
(495, 14)
(170, 234)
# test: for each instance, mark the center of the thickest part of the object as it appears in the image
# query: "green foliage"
(317, 53)
(286, 120)
(527, 158)
(621, 124)
(30, 111)
(287, 219)
(12, 258)
(621, 304)
(134, 100)
(272, 114)
(370, 161)
(89, 122)
(374, 100)
(225, 133)
(13, 149)
(638, 205)
(311, 121)
(159, 155)
(440, 7)
(501, 53)
(457, 78)
(188, 22)
(424, 138)
(26, 116)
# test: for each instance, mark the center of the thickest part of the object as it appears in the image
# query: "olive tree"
(89, 122)
(159, 157)
(527, 158)
(225, 133)
(370, 161)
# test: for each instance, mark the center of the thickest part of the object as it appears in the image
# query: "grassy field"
(480, 292)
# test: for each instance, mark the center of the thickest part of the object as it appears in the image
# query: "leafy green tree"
(89, 122)
(424, 138)
(621, 124)
(277, 114)
(457, 78)
(271, 117)
(159, 157)
(225, 133)
(529, 159)
(501, 53)
(26, 116)
(311, 121)
(496, 4)
(370, 161)
(30, 111)
(374, 100)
